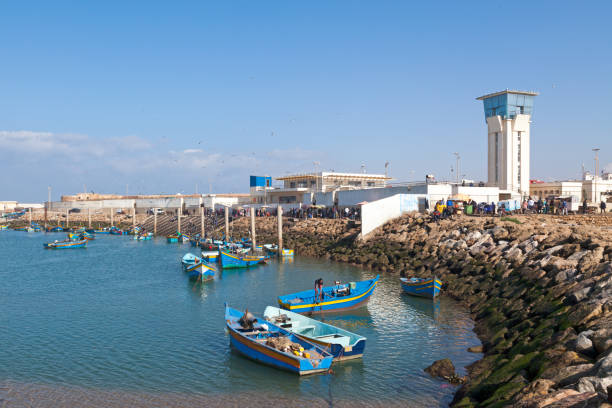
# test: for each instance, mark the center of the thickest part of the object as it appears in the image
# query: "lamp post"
(457, 173)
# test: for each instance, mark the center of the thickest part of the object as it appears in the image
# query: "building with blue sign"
(508, 116)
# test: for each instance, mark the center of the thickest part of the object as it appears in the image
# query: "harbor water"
(119, 324)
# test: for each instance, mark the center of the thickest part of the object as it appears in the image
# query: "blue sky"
(161, 96)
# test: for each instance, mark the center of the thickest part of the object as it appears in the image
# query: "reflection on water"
(120, 321)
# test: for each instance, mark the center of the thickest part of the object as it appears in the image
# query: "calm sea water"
(119, 324)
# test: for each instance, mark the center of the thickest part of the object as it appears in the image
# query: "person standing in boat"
(319, 290)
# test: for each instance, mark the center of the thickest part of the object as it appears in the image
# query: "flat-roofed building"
(300, 188)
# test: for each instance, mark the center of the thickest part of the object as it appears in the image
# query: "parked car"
(158, 211)
(74, 210)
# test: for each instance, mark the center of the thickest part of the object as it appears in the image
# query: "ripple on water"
(119, 323)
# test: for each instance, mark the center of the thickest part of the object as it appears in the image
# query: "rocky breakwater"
(540, 293)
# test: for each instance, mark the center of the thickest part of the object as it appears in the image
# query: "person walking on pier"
(602, 206)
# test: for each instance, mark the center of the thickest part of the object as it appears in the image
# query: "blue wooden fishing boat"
(172, 238)
(342, 344)
(143, 237)
(116, 231)
(189, 259)
(239, 261)
(429, 288)
(210, 256)
(336, 298)
(66, 244)
(201, 271)
(4, 228)
(269, 344)
(102, 231)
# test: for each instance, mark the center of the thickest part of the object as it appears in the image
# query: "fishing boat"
(189, 259)
(287, 252)
(4, 227)
(102, 231)
(429, 288)
(172, 238)
(66, 244)
(143, 237)
(239, 261)
(115, 231)
(88, 236)
(55, 229)
(336, 298)
(271, 247)
(342, 344)
(270, 344)
(75, 237)
(210, 256)
(201, 271)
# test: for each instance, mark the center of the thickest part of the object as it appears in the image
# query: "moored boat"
(239, 261)
(66, 244)
(4, 228)
(336, 298)
(429, 288)
(270, 344)
(189, 259)
(201, 271)
(210, 256)
(342, 344)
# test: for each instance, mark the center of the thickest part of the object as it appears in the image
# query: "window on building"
(371, 184)
(292, 184)
(354, 183)
(521, 110)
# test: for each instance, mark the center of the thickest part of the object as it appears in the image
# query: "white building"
(305, 188)
(508, 115)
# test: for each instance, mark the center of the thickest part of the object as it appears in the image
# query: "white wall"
(376, 213)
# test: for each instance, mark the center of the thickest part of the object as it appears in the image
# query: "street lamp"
(457, 166)
(596, 150)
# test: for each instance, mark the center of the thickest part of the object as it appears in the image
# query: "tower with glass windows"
(508, 115)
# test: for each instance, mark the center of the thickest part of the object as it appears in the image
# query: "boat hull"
(340, 343)
(200, 271)
(229, 261)
(261, 353)
(329, 304)
(429, 288)
(66, 245)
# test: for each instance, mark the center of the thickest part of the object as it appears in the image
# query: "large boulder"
(591, 259)
(565, 275)
(602, 340)
(584, 344)
(441, 368)
(594, 384)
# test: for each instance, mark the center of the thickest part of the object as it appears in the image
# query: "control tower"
(508, 115)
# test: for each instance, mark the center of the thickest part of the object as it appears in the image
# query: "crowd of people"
(554, 206)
